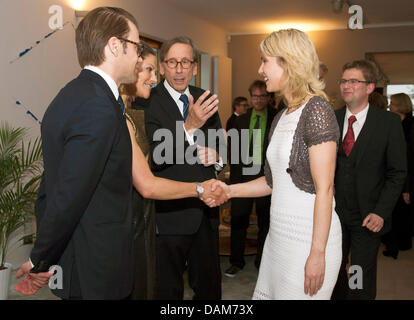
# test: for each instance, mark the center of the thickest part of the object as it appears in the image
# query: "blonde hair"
(403, 103)
(297, 56)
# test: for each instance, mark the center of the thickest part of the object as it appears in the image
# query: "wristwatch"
(199, 189)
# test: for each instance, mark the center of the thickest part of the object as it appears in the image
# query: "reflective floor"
(395, 280)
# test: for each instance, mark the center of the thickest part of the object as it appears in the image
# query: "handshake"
(215, 193)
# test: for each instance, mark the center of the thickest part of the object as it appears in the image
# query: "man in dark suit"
(187, 228)
(239, 107)
(260, 117)
(85, 226)
(371, 170)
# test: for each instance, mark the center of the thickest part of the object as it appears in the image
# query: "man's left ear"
(114, 45)
(195, 67)
(371, 88)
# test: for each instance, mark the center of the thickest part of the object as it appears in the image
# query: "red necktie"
(349, 139)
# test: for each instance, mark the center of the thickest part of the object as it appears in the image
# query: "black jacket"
(380, 167)
(181, 216)
(85, 217)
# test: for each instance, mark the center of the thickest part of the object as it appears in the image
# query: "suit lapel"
(246, 119)
(168, 104)
(340, 117)
(365, 135)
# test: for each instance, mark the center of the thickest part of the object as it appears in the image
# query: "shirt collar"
(174, 93)
(111, 83)
(360, 115)
(262, 115)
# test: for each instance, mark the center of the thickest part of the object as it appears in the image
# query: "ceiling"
(264, 16)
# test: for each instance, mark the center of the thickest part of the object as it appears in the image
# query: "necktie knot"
(351, 120)
(186, 103)
(184, 98)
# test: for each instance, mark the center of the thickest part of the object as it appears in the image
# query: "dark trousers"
(399, 237)
(241, 209)
(201, 253)
(363, 245)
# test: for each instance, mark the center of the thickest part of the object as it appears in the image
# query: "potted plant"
(20, 171)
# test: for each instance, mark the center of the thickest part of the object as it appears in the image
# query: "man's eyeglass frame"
(169, 61)
(352, 81)
(138, 45)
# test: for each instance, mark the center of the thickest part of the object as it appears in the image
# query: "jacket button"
(289, 170)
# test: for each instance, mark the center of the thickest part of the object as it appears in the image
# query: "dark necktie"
(349, 139)
(184, 99)
(121, 103)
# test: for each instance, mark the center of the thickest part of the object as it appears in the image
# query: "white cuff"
(219, 165)
(190, 139)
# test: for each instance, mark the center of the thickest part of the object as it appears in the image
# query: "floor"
(395, 280)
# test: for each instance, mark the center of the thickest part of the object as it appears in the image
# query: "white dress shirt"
(358, 124)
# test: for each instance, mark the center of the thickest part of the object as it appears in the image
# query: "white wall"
(36, 78)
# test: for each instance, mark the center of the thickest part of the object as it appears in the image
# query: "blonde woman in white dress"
(302, 253)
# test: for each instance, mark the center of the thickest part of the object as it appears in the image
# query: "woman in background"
(399, 238)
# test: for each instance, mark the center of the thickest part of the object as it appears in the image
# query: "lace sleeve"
(320, 125)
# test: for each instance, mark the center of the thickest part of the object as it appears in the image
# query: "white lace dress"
(288, 243)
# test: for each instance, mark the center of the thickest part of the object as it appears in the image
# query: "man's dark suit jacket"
(183, 216)
(243, 122)
(84, 214)
(230, 122)
(380, 168)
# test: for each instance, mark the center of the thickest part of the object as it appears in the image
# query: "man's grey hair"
(185, 40)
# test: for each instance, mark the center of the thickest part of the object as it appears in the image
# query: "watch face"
(200, 189)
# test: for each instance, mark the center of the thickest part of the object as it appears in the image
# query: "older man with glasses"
(187, 229)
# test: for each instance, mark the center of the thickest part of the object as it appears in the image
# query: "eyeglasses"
(261, 96)
(138, 46)
(352, 82)
(173, 63)
(244, 105)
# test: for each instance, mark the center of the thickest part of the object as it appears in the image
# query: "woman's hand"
(220, 184)
(314, 272)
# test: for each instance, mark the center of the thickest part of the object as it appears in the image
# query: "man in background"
(239, 107)
(259, 118)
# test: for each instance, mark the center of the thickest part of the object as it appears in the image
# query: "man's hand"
(207, 156)
(200, 111)
(213, 197)
(406, 197)
(33, 281)
(373, 222)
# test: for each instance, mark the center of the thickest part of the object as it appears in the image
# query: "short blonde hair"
(402, 102)
(297, 56)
